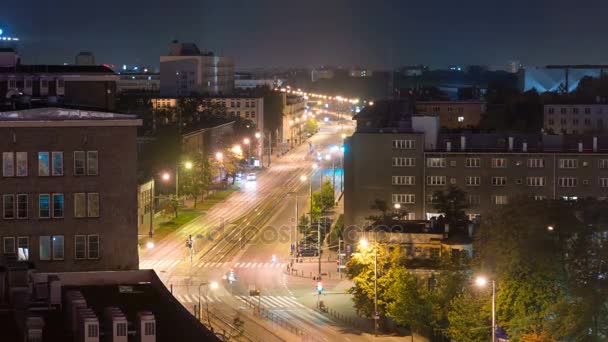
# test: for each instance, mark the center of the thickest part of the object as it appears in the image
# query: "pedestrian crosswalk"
(259, 265)
(159, 264)
(273, 302)
(204, 264)
(193, 298)
(163, 264)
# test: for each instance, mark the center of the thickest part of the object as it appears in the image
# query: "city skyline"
(312, 33)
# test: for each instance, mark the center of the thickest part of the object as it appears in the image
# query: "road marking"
(237, 265)
(248, 265)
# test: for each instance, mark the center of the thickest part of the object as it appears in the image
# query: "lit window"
(500, 200)
(44, 206)
(23, 248)
(57, 163)
(58, 205)
(43, 164)
(499, 163)
(461, 119)
(80, 204)
(472, 162)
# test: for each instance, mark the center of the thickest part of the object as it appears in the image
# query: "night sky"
(266, 33)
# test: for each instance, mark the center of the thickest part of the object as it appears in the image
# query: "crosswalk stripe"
(265, 265)
(247, 266)
(237, 265)
(273, 301)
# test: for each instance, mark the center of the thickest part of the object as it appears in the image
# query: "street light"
(150, 244)
(213, 285)
(397, 206)
(247, 142)
(188, 165)
(166, 176)
(482, 281)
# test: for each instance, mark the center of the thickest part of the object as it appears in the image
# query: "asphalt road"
(259, 264)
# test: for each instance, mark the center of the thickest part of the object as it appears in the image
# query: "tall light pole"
(247, 142)
(258, 137)
(214, 285)
(482, 281)
(219, 156)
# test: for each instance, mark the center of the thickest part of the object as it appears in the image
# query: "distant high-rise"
(188, 71)
(85, 58)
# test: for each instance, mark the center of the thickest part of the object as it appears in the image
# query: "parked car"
(251, 177)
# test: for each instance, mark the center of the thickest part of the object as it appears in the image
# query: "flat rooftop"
(65, 117)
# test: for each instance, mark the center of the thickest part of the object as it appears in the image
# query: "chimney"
(524, 146)
(463, 143)
(594, 144)
(580, 146)
(448, 146)
(510, 144)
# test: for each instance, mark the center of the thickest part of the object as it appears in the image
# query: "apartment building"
(575, 118)
(69, 189)
(85, 86)
(294, 110)
(453, 114)
(187, 71)
(400, 158)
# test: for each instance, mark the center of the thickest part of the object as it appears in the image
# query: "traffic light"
(231, 276)
(320, 287)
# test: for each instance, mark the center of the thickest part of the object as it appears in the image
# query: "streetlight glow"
(364, 243)
(397, 205)
(219, 155)
(343, 136)
(315, 166)
(188, 165)
(303, 178)
(149, 244)
(166, 176)
(237, 149)
(258, 135)
(550, 228)
(214, 285)
(246, 141)
(328, 157)
(481, 281)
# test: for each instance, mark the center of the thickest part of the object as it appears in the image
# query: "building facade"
(294, 117)
(76, 85)
(575, 118)
(138, 82)
(69, 189)
(454, 114)
(250, 108)
(407, 163)
(187, 71)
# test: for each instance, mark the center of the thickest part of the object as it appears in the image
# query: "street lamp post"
(214, 285)
(482, 282)
(219, 156)
(247, 142)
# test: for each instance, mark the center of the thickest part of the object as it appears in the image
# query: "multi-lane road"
(250, 234)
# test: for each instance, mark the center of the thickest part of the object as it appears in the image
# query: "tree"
(328, 199)
(311, 126)
(469, 318)
(452, 203)
(360, 269)
(382, 207)
(408, 301)
(196, 181)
